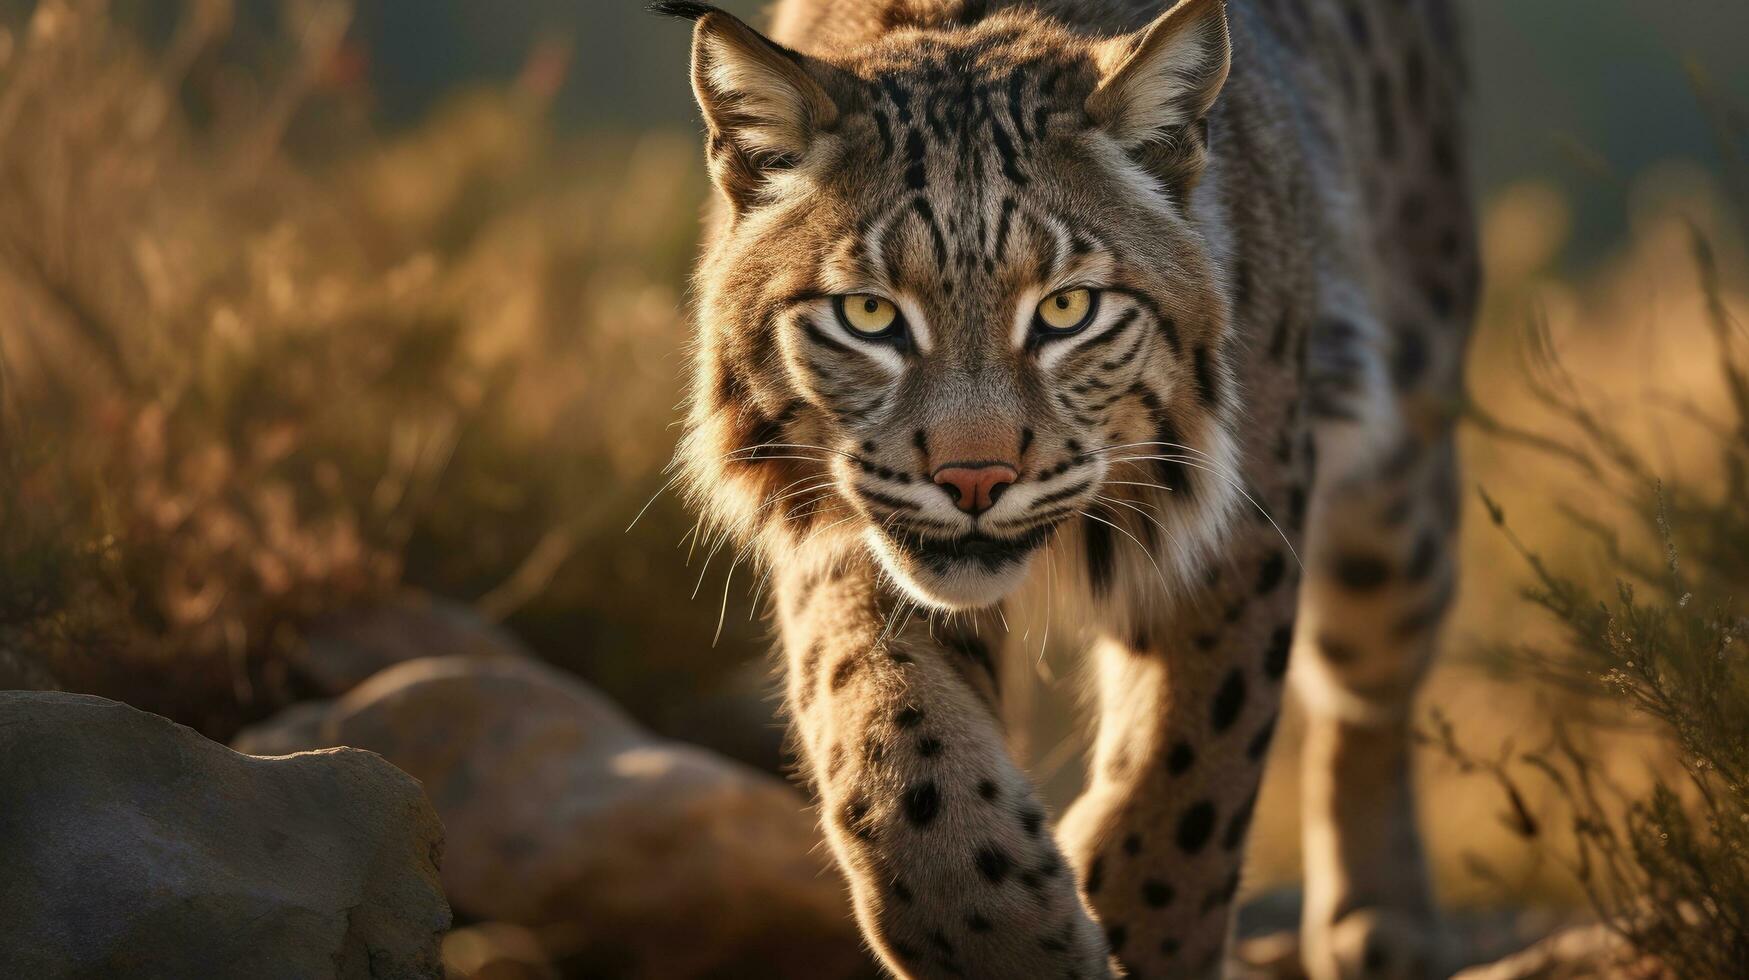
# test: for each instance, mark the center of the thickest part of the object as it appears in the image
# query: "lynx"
(1156, 314)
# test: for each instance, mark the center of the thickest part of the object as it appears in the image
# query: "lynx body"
(1153, 314)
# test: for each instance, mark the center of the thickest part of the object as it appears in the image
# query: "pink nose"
(975, 487)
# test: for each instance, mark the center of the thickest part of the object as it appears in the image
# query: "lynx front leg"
(1187, 709)
(951, 864)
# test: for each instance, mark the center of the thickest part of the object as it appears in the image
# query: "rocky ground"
(1494, 944)
(132, 846)
(449, 771)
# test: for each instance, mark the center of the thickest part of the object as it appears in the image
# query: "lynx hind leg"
(952, 865)
(1380, 563)
(1380, 574)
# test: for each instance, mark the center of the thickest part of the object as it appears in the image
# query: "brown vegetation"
(259, 364)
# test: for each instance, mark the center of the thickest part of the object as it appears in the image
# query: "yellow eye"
(867, 314)
(1067, 310)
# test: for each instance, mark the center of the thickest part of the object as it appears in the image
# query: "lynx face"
(957, 294)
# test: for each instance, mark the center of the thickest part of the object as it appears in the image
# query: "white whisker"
(723, 610)
(770, 568)
(731, 453)
(721, 540)
(1230, 482)
(1138, 544)
(1133, 445)
(1050, 598)
(1145, 515)
(659, 491)
(796, 445)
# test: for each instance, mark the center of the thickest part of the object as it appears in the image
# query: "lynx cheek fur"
(1159, 310)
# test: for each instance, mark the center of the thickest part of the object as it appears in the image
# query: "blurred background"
(310, 310)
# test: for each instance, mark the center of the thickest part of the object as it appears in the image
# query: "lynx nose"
(975, 487)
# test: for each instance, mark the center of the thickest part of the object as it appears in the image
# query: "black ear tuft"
(684, 9)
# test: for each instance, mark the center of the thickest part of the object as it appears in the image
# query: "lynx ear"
(763, 103)
(1160, 82)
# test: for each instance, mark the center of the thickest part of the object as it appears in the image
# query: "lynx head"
(956, 288)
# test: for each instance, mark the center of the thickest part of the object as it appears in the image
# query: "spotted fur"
(1241, 459)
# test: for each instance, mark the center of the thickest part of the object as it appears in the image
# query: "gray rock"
(21, 673)
(629, 855)
(132, 846)
(1577, 953)
(495, 951)
(1478, 943)
(298, 728)
(342, 649)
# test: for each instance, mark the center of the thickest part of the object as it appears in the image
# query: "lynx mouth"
(967, 571)
(972, 551)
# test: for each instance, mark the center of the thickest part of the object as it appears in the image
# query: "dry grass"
(257, 369)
